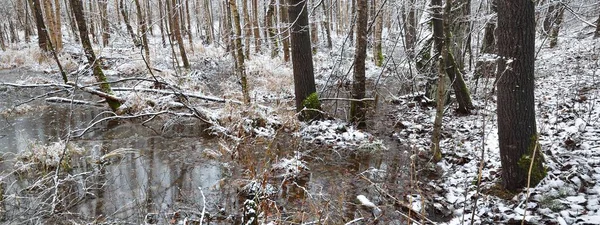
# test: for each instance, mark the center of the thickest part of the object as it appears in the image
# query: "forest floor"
(568, 120)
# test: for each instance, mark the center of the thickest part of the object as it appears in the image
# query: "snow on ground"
(568, 112)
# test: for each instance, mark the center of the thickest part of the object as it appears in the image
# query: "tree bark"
(41, 27)
(209, 21)
(358, 108)
(49, 19)
(177, 33)
(377, 33)
(304, 80)
(327, 22)
(103, 6)
(314, 30)
(247, 29)
(72, 23)
(515, 81)
(143, 29)
(560, 11)
(284, 31)
(452, 63)
(271, 31)
(149, 20)
(161, 22)
(255, 26)
(597, 34)
(58, 45)
(77, 8)
(410, 27)
(135, 40)
(239, 56)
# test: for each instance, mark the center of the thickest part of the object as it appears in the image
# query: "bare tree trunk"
(142, 26)
(58, 44)
(161, 22)
(89, 53)
(49, 18)
(358, 108)
(2, 42)
(135, 40)
(271, 32)
(453, 68)
(410, 27)
(597, 34)
(209, 21)
(103, 6)
(92, 22)
(227, 31)
(188, 29)
(560, 11)
(149, 16)
(377, 33)
(177, 33)
(327, 22)
(517, 132)
(26, 21)
(247, 29)
(239, 56)
(304, 81)
(284, 30)
(255, 25)
(41, 27)
(72, 23)
(314, 30)
(353, 21)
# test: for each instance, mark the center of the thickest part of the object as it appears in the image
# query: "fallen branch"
(347, 99)
(202, 97)
(71, 101)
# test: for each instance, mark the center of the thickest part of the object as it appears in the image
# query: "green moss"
(379, 61)
(312, 107)
(538, 171)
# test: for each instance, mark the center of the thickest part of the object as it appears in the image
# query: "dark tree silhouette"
(304, 79)
(515, 80)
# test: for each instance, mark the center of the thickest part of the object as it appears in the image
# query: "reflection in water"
(153, 174)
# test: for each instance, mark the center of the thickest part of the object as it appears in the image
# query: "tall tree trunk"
(92, 22)
(72, 23)
(304, 80)
(125, 15)
(271, 31)
(597, 34)
(77, 8)
(161, 22)
(515, 81)
(283, 29)
(560, 11)
(2, 41)
(314, 29)
(103, 6)
(177, 33)
(49, 19)
(26, 20)
(58, 44)
(353, 20)
(255, 25)
(41, 27)
(377, 33)
(452, 63)
(247, 29)
(358, 108)
(227, 31)
(549, 19)
(239, 56)
(143, 30)
(327, 22)
(188, 29)
(410, 27)
(149, 16)
(209, 21)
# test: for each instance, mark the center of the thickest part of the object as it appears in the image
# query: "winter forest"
(299, 112)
